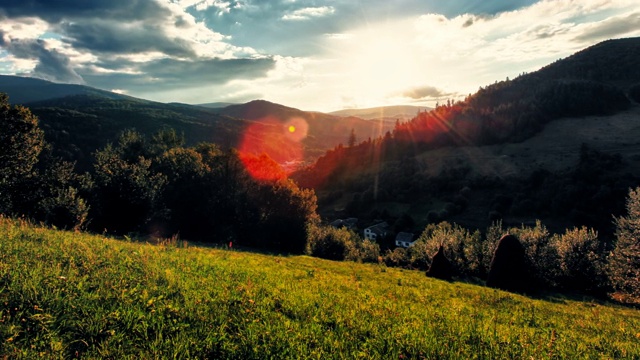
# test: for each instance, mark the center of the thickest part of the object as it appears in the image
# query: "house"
(404, 239)
(376, 231)
(350, 223)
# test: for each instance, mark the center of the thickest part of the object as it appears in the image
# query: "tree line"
(152, 186)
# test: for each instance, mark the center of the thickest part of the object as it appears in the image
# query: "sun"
(377, 65)
(292, 129)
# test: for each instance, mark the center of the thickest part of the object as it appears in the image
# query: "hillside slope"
(324, 131)
(514, 147)
(74, 295)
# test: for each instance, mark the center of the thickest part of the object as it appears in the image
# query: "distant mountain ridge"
(78, 119)
(23, 90)
(383, 112)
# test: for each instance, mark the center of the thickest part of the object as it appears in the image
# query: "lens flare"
(269, 142)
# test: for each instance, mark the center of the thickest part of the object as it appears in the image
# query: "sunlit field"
(67, 295)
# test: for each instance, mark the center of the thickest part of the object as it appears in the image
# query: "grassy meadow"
(67, 295)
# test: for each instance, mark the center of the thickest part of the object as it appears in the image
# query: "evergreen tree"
(352, 138)
(624, 262)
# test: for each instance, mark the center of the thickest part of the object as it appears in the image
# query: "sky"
(309, 54)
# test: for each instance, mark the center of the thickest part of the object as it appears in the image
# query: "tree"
(21, 141)
(126, 187)
(352, 138)
(624, 261)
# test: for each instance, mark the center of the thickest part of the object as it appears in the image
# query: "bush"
(541, 257)
(330, 243)
(397, 257)
(624, 261)
(368, 251)
(460, 246)
(581, 256)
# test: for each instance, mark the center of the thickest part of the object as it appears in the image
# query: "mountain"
(79, 119)
(501, 154)
(23, 90)
(322, 131)
(216, 105)
(402, 112)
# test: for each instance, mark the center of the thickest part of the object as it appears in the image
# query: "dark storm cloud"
(56, 10)
(118, 37)
(176, 74)
(611, 28)
(51, 65)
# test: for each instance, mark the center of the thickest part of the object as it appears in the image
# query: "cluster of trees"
(154, 186)
(578, 260)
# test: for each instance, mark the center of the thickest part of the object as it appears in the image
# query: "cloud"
(56, 11)
(51, 65)
(308, 13)
(611, 28)
(175, 74)
(424, 92)
(118, 37)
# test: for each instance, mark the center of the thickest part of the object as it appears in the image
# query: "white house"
(404, 239)
(376, 231)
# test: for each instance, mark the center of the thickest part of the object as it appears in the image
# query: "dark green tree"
(624, 262)
(126, 188)
(21, 141)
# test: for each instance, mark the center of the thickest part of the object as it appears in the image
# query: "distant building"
(376, 231)
(404, 239)
(350, 223)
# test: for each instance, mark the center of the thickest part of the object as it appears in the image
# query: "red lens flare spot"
(269, 143)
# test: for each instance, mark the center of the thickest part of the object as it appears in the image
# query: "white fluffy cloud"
(309, 13)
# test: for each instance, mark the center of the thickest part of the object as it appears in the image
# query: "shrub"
(397, 257)
(368, 251)
(624, 261)
(541, 257)
(581, 256)
(330, 243)
(460, 246)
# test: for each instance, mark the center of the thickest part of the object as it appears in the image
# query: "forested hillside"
(390, 172)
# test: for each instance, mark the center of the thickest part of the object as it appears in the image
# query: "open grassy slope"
(65, 295)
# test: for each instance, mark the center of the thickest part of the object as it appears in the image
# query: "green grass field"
(66, 295)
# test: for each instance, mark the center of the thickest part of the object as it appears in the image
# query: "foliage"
(624, 262)
(21, 141)
(330, 243)
(541, 256)
(203, 193)
(126, 188)
(461, 247)
(33, 183)
(70, 295)
(582, 260)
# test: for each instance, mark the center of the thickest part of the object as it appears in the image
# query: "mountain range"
(79, 119)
